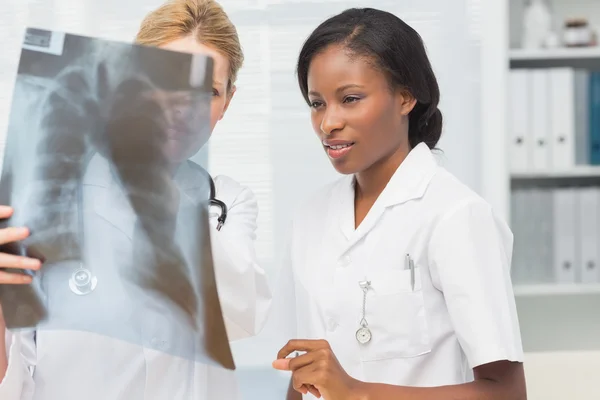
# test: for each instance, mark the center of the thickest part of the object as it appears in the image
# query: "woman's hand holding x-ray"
(10, 261)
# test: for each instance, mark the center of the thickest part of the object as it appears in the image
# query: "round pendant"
(363, 335)
(82, 282)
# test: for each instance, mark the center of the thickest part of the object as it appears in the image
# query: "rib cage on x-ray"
(69, 116)
(97, 104)
(76, 127)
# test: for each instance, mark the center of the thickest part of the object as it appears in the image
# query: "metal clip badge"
(363, 334)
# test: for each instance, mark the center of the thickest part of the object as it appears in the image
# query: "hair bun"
(425, 125)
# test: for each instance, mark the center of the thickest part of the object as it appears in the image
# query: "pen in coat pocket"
(411, 265)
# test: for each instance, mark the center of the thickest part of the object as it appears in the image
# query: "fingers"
(12, 261)
(8, 278)
(302, 345)
(312, 390)
(303, 379)
(13, 234)
(304, 389)
(5, 212)
(296, 363)
(282, 364)
(10, 235)
(305, 365)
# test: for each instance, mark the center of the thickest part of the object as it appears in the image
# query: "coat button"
(331, 325)
(345, 261)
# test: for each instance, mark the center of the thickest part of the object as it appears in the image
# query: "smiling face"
(359, 118)
(183, 142)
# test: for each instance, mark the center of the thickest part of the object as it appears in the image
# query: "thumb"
(283, 364)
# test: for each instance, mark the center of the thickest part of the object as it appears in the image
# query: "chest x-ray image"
(97, 167)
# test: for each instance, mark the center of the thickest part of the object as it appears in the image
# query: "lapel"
(112, 205)
(409, 182)
(106, 196)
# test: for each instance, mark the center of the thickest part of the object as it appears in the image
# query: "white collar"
(409, 182)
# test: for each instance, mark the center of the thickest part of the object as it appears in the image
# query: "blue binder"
(594, 105)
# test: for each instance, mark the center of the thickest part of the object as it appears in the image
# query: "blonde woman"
(71, 364)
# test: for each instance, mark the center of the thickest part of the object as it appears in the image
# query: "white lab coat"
(114, 350)
(461, 313)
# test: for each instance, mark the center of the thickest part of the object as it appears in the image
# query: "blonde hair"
(204, 19)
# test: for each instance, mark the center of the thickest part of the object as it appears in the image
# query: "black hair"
(397, 50)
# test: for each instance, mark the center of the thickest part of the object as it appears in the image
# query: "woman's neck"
(372, 181)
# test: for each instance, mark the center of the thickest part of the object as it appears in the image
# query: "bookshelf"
(556, 289)
(586, 58)
(555, 317)
(559, 53)
(580, 171)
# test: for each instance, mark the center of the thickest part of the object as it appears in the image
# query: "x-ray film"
(97, 166)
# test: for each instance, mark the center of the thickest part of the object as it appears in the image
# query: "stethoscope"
(213, 201)
(83, 281)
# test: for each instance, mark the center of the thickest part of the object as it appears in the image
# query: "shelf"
(556, 289)
(555, 54)
(583, 171)
(587, 58)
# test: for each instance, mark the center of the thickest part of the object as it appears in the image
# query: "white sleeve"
(470, 254)
(18, 383)
(242, 284)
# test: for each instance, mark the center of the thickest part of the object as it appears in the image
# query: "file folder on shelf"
(565, 234)
(589, 232)
(562, 117)
(520, 139)
(540, 120)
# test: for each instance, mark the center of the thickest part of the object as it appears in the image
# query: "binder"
(582, 118)
(565, 224)
(527, 264)
(545, 235)
(562, 117)
(589, 232)
(540, 119)
(594, 118)
(533, 219)
(520, 143)
(519, 259)
(530, 219)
